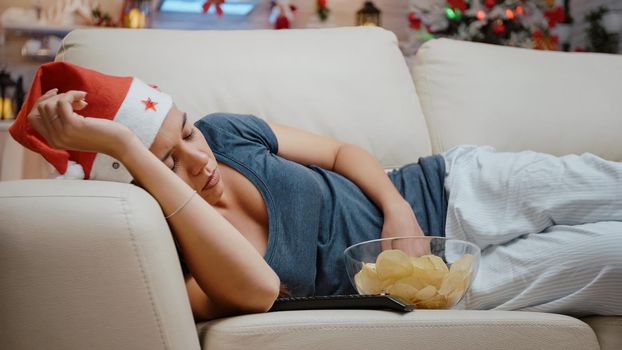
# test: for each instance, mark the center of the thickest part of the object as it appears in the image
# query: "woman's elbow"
(262, 296)
(265, 295)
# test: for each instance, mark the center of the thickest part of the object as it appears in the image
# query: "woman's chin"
(214, 194)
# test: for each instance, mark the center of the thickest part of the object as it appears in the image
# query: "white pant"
(550, 229)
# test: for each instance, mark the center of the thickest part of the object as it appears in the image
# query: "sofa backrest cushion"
(350, 83)
(517, 99)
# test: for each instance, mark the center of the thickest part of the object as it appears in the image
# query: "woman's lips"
(212, 180)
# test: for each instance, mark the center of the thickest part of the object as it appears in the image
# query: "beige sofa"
(92, 265)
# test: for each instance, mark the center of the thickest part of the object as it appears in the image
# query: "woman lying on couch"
(256, 206)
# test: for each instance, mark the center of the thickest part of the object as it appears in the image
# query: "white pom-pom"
(74, 172)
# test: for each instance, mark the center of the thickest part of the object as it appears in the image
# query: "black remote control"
(350, 301)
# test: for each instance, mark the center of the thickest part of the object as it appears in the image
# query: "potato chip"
(403, 290)
(393, 264)
(414, 282)
(422, 263)
(438, 263)
(462, 264)
(436, 302)
(426, 293)
(454, 297)
(367, 280)
(435, 277)
(451, 282)
(425, 281)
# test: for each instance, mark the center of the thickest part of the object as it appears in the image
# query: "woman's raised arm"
(225, 265)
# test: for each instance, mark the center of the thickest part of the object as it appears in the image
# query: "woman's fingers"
(39, 120)
(76, 98)
(65, 109)
(60, 124)
(47, 95)
(54, 112)
(78, 105)
(76, 95)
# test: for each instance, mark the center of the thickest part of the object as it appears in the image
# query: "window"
(230, 7)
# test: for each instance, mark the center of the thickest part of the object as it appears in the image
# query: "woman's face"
(182, 147)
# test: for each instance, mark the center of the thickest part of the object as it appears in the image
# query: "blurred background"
(31, 31)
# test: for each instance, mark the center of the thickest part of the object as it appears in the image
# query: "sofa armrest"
(88, 264)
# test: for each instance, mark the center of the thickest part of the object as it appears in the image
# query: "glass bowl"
(430, 272)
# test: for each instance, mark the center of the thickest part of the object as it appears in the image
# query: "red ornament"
(149, 104)
(286, 13)
(555, 15)
(457, 5)
(415, 22)
(207, 4)
(281, 22)
(498, 28)
(544, 42)
(490, 3)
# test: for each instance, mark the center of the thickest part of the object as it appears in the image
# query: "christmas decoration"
(520, 23)
(149, 104)
(11, 94)
(282, 14)
(136, 14)
(322, 9)
(208, 3)
(600, 40)
(102, 19)
(368, 15)
(542, 42)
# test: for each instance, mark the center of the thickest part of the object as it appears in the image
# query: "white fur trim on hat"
(74, 172)
(143, 110)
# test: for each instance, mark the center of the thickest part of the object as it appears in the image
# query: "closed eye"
(186, 138)
(189, 137)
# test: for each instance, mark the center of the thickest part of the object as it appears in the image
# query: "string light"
(450, 13)
(6, 108)
(519, 10)
(481, 15)
(509, 14)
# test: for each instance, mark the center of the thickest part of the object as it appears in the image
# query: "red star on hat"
(149, 104)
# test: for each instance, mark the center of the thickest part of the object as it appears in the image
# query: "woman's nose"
(196, 160)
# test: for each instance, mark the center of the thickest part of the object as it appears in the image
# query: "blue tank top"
(314, 214)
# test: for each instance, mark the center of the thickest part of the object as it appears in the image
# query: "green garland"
(599, 39)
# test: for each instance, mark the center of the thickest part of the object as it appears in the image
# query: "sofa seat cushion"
(374, 329)
(608, 330)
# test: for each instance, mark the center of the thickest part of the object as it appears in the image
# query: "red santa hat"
(126, 100)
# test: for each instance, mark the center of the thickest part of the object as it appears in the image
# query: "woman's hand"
(53, 117)
(400, 221)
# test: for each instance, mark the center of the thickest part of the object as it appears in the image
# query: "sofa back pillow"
(351, 83)
(517, 99)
